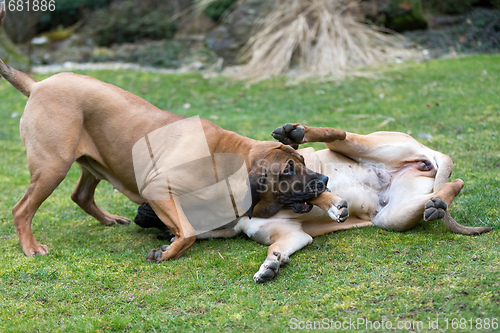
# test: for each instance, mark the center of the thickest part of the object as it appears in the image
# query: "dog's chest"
(358, 184)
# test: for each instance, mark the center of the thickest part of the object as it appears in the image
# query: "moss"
(407, 22)
(405, 15)
(217, 8)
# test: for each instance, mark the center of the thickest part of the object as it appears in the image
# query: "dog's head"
(280, 179)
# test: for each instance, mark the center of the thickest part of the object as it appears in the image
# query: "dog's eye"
(289, 169)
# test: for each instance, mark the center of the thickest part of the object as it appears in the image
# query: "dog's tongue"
(302, 207)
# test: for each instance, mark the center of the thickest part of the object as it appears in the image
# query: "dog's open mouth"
(302, 207)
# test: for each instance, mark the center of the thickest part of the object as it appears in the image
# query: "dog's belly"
(362, 187)
(101, 172)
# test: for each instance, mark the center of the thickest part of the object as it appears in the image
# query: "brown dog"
(387, 179)
(119, 137)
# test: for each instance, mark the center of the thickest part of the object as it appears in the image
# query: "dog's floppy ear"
(258, 183)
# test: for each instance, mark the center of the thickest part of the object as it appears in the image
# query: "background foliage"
(217, 8)
(457, 6)
(129, 21)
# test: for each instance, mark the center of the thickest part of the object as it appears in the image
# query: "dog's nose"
(324, 179)
(318, 184)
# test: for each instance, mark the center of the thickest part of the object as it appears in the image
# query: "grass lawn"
(96, 278)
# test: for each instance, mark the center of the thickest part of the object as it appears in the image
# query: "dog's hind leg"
(402, 215)
(444, 193)
(436, 207)
(408, 208)
(83, 196)
(401, 206)
(410, 200)
(46, 175)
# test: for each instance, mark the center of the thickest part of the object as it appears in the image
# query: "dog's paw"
(114, 220)
(289, 134)
(339, 213)
(270, 268)
(37, 250)
(121, 219)
(268, 271)
(156, 254)
(435, 209)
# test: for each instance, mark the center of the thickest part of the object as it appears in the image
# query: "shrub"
(156, 54)
(477, 32)
(216, 8)
(450, 6)
(129, 21)
(67, 13)
(405, 15)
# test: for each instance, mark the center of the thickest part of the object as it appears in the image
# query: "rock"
(223, 44)
(201, 24)
(235, 30)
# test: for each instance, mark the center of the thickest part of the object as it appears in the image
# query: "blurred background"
(263, 37)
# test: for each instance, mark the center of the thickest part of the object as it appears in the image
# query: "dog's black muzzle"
(318, 185)
(298, 202)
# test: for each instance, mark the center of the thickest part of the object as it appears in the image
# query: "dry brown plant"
(314, 38)
(319, 37)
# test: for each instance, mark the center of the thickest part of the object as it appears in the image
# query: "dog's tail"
(19, 80)
(445, 167)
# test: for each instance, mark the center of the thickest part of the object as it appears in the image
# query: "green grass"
(96, 278)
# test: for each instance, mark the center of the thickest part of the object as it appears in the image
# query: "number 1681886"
(32, 5)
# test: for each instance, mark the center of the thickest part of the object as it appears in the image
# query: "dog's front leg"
(296, 134)
(170, 212)
(333, 205)
(278, 254)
